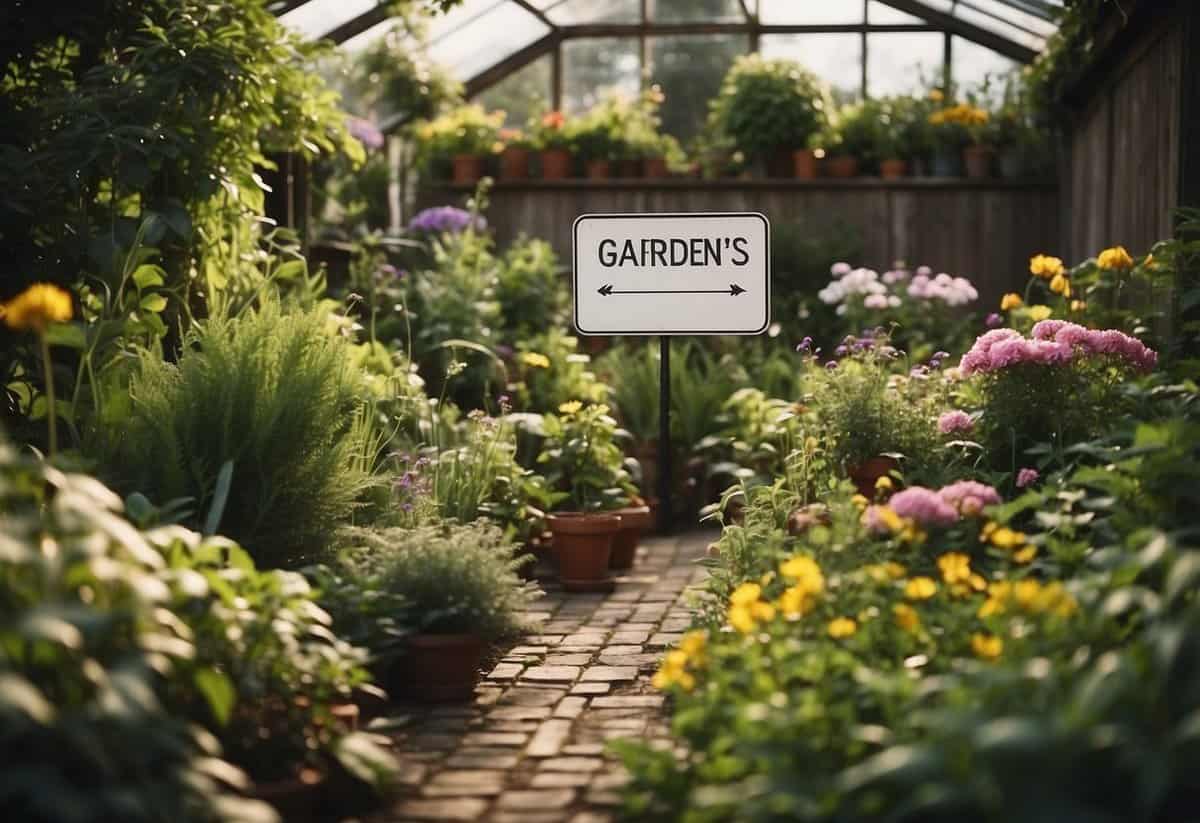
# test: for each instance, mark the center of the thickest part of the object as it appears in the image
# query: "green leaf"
(17, 692)
(70, 335)
(363, 756)
(220, 497)
(146, 276)
(153, 303)
(218, 690)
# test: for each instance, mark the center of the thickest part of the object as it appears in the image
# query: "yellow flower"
(1046, 267)
(762, 611)
(977, 582)
(1078, 305)
(810, 444)
(936, 95)
(906, 617)
(1039, 313)
(920, 588)
(796, 601)
(1006, 538)
(883, 483)
(887, 515)
(885, 572)
(1061, 285)
(1025, 555)
(842, 627)
(37, 307)
(805, 572)
(537, 361)
(693, 645)
(745, 594)
(989, 528)
(1012, 300)
(741, 618)
(955, 567)
(1114, 258)
(986, 646)
(860, 501)
(1025, 592)
(570, 407)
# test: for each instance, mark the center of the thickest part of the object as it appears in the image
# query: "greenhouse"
(600, 410)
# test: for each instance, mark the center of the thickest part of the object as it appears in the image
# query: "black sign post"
(666, 521)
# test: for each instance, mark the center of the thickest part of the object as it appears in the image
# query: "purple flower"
(955, 422)
(832, 364)
(841, 351)
(805, 344)
(1026, 477)
(365, 132)
(446, 219)
(993, 321)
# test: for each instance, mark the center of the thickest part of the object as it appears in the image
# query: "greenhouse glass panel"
(594, 66)
(1015, 32)
(804, 12)
(903, 62)
(523, 94)
(689, 70)
(881, 14)
(573, 12)
(971, 64)
(835, 58)
(679, 11)
(318, 17)
(486, 39)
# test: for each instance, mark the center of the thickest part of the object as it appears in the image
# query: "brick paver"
(532, 746)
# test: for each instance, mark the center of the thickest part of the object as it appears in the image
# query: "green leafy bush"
(582, 460)
(438, 579)
(87, 640)
(767, 105)
(267, 400)
(532, 290)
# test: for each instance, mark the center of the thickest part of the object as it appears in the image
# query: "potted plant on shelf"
(581, 458)
(980, 153)
(460, 138)
(552, 138)
(597, 142)
(955, 128)
(428, 601)
(514, 158)
(770, 109)
(895, 138)
(852, 141)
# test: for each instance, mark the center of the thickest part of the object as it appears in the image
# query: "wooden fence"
(985, 230)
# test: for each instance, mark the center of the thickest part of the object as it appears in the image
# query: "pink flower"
(839, 269)
(924, 506)
(953, 422)
(969, 496)
(1008, 353)
(1046, 329)
(1049, 353)
(1026, 477)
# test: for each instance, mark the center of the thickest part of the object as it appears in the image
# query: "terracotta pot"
(514, 163)
(646, 453)
(978, 161)
(583, 545)
(893, 169)
(295, 798)
(867, 472)
(556, 164)
(842, 166)
(804, 164)
(468, 168)
(438, 667)
(778, 164)
(597, 169)
(654, 167)
(630, 167)
(635, 521)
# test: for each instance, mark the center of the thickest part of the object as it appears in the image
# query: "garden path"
(531, 748)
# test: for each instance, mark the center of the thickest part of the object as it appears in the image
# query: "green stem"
(51, 408)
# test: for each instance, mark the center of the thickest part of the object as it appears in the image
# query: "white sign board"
(672, 274)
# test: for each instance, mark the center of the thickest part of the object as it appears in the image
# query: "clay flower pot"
(630, 167)
(514, 163)
(842, 166)
(583, 545)
(438, 667)
(978, 161)
(635, 521)
(893, 169)
(654, 167)
(468, 168)
(804, 164)
(867, 472)
(556, 164)
(597, 169)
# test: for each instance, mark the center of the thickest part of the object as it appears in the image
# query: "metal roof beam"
(357, 25)
(667, 29)
(969, 31)
(536, 12)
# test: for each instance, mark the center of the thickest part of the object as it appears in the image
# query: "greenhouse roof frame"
(967, 19)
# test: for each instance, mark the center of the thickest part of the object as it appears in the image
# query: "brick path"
(531, 747)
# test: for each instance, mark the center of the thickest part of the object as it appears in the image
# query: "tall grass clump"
(261, 423)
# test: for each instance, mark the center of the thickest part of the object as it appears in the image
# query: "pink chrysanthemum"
(923, 505)
(1026, 477)
(955, 422)
(969, 496)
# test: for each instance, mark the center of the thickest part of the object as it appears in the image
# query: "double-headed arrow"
(733, 290)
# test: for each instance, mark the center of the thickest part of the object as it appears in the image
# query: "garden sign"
(671, 274)
(676, 274)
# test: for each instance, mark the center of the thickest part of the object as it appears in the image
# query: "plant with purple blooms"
(446, 220)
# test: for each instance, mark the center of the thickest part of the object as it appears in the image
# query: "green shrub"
(270, 395)
(532, 291)
(767, 105)
(87, 639)
(633, 372)
(582, 460)
(550, 370)
(445, 579)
